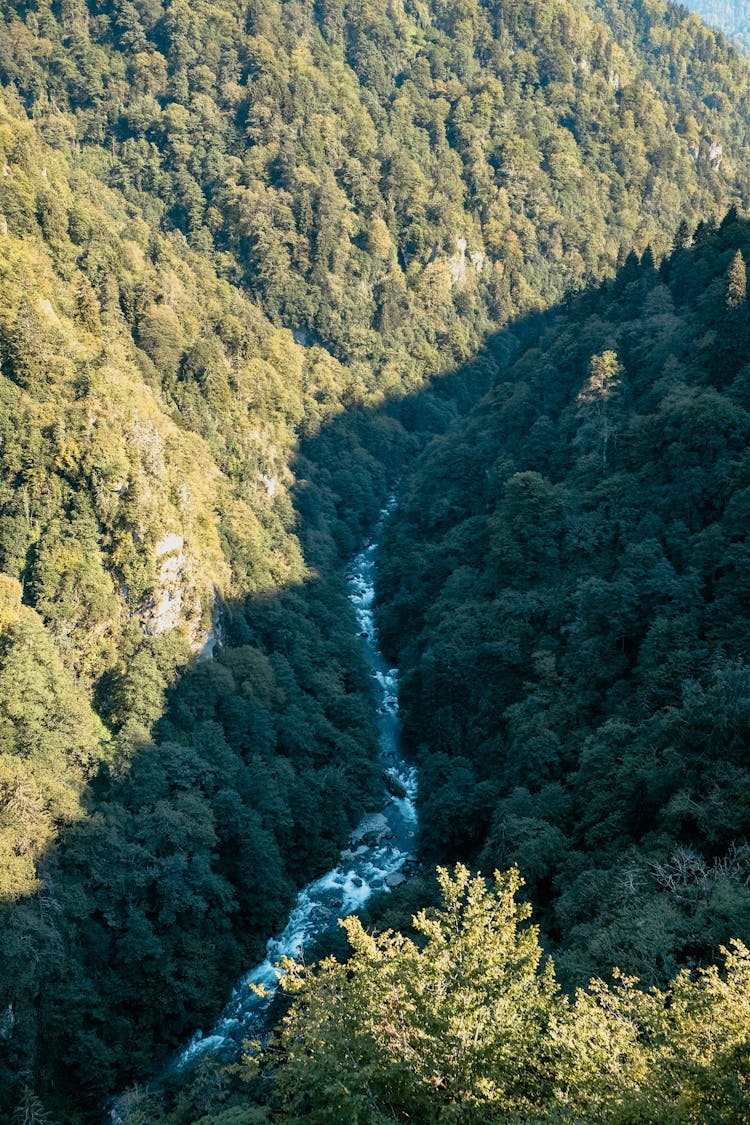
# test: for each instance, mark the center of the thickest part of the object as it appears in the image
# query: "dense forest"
(730, 16)
(564, 586)
(253, 260)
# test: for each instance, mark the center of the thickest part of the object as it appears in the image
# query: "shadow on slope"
(247, 785)
(565, 589)
(209, 819)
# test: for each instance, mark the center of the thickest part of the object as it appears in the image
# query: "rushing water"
(378, 858)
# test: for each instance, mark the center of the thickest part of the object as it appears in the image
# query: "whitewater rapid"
(379, 856)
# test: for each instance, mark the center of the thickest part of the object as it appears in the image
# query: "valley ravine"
(379, 856)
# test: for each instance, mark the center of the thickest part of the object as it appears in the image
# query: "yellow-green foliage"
(330, 159)
(50, 742)
(467, 1024)
(98, 465)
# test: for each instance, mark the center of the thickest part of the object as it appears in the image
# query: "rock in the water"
(370, 831)
(395, 787)
(395, 879)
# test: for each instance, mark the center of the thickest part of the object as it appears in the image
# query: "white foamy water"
(380, 848)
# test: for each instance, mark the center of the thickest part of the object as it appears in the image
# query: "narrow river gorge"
(380, 855)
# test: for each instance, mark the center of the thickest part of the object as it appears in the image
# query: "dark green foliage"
(563, 587)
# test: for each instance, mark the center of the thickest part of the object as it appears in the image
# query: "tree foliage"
(467, 1024)
(235, 247)
(563, 590)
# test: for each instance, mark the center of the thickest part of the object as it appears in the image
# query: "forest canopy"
(728, 15)
(249, 258)
(564, 590)
(468, 1024)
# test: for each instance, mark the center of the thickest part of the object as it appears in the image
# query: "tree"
(597, 401)
(30, 1111)
(431, 1031)
(696, 1063)
(468, 1026)
(736, 282)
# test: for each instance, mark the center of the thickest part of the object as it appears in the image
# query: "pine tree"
(30, 1111)
(736, 282)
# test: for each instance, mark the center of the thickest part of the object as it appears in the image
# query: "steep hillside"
(121, 501)
(391, 181)
(244, 254)
(564, 586)
(145, 495)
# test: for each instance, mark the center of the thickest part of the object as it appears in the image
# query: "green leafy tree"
(467, 1024)
(430, 1030)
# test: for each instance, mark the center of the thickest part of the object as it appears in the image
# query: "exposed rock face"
(174, 602)
(46, 306)
(164, 609)
(270, 484)
(457, 263)
(371, 831)
(171, 544)
(476, 257)
(710, 150)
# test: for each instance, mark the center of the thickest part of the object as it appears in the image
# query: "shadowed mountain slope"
(564, 589)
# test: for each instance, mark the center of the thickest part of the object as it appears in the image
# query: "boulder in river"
(395, 879)
(370, 831)
(392, 784)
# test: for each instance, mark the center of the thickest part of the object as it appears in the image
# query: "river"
(379, 857)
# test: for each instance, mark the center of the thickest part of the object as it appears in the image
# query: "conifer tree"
(30, 1111)
(736, 282)
(597, 402)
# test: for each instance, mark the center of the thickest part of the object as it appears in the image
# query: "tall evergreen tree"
(736, 293)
